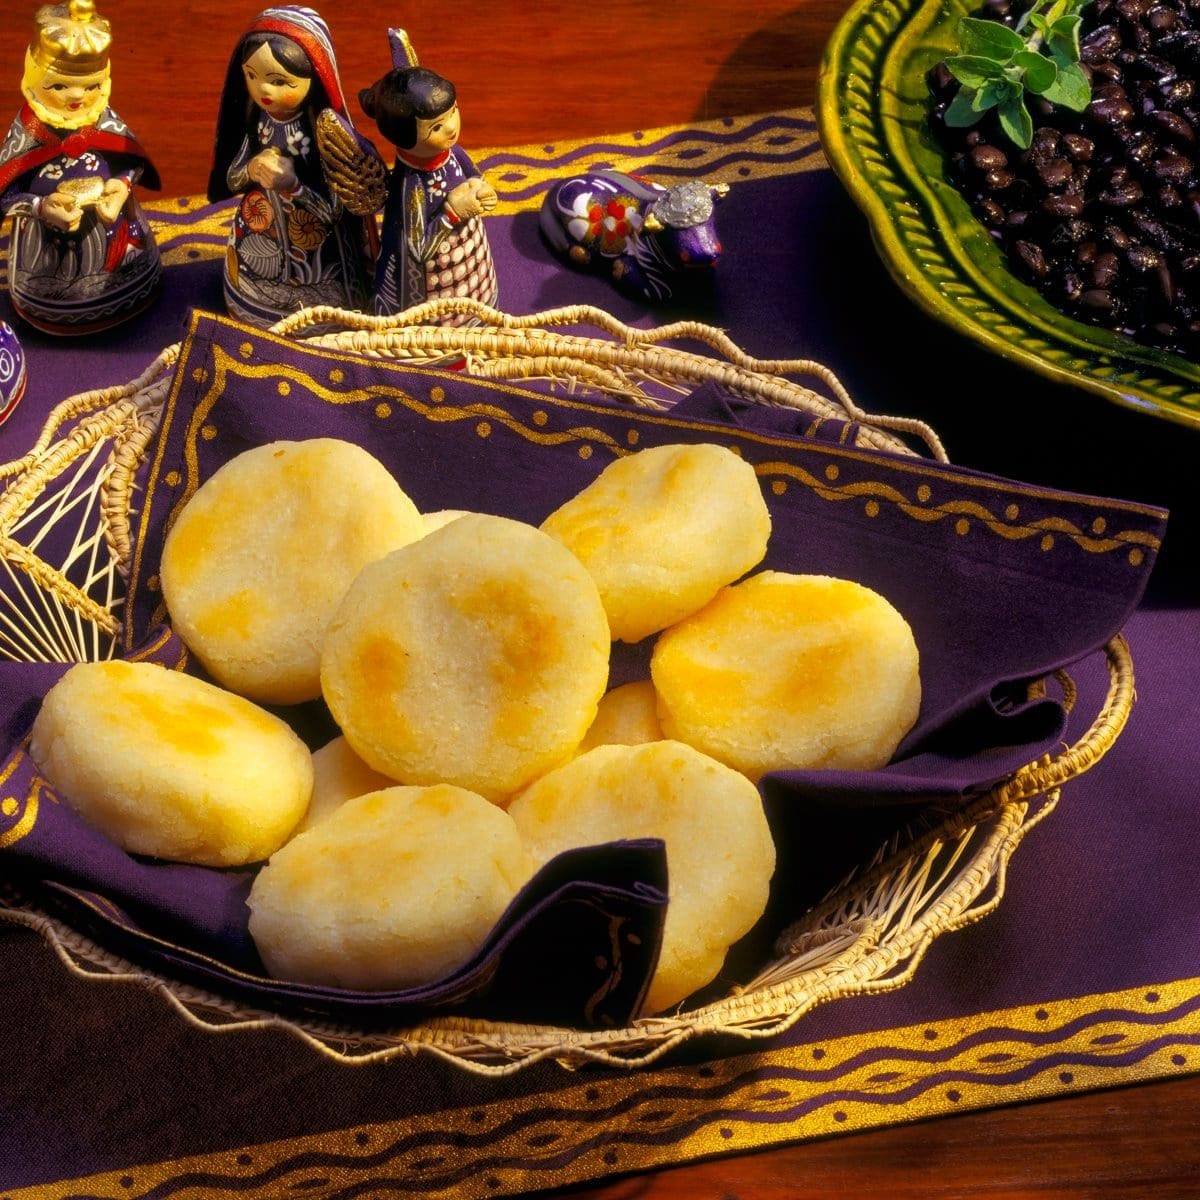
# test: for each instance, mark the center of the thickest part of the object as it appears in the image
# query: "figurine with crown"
(82, 256)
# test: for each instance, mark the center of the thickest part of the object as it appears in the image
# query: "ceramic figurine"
(434, 242)
(286, 145)
(82, 255)
(12, 371)
(641, 234)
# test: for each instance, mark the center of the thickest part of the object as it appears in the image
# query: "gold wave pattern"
(1005, 526)
(655, 1118)
(189, 229)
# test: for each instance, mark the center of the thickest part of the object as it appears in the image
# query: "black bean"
(1080, 148)
(1122, 196)
(1086, 253)
(1168, 196)
(974, 137)
(1176, 92)
(1105, 269)
(1032, 258)
(1191, 264)
(1173, 127)
(1133, 10)
(1070, 233)
(1173, 168)
(1045, 141)
(1151, 66)
(1072, 286)
(1142, 258)
(991, 212)
(1104, 71)
(1160, 19)
(1117, 237)
(1098, 301)
(1065, 205)
(1103, 43)
(1054, 173)
(1018, 218)
(1166, 285)
(1110, 105)
(998, 180)
(989, 158)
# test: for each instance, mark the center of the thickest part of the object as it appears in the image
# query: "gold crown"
(72, 39)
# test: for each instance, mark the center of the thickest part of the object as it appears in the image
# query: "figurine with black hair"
(303, 233)
(434, 244)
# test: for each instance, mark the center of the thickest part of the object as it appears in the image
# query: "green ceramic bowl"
(873, 113)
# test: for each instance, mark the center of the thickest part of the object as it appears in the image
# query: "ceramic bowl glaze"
(873, 111)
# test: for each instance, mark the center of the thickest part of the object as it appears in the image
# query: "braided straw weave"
(869, 935)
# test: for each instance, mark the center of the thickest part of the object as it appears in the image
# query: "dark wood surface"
(533, 72)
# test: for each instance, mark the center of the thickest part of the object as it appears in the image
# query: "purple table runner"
(1087, 975)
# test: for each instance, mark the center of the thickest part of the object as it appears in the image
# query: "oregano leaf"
(1071, 88)
(960, 114)
(989, 39)
(1040, 72)
(1016, 121)
(972, 70)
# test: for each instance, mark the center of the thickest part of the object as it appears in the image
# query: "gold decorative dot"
(962, 526)
(199, 374)
(1012, 512)
(540, 418)
(283, 388)
(778, 486)
(337, 375)
(9, 806)
(483, 428)
(831, 472)
(872, 508)
(1135, 557)
(585, 452)
(633, 437)
(152, 583)
(173, 478)
(208, 432)
(1099, 525)
(437, 394)
(1047, 543)
(924, 492)
(383, 411)
(735, 449)
(246, 349)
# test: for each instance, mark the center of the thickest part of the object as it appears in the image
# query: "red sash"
(73, 145)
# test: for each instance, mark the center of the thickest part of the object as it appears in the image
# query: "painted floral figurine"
(82, 255)
(434, 243)
(297, 240)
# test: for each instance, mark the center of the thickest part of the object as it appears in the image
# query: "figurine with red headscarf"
(303, 232)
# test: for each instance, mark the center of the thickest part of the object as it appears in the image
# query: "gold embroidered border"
(606, 1124)
(733, 150)
(1096, 538)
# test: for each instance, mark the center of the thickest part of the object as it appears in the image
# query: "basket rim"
(1001, 817)
(836, 959)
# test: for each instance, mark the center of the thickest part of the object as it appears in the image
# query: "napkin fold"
(1002, 582)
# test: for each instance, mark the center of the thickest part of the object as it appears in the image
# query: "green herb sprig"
(998, 65)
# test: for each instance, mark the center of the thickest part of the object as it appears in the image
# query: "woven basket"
(868, 936)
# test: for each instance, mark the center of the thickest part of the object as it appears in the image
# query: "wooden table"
(530, 72)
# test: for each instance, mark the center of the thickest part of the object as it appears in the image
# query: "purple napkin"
(1002, 582)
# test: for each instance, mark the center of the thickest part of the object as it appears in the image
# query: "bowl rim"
(925, 232)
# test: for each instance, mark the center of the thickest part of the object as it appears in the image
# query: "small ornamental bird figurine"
(434, 243)
(82, 255)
